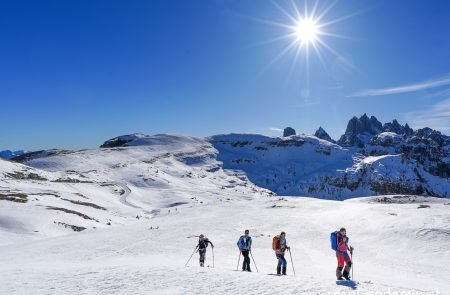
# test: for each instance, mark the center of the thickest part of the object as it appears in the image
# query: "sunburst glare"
(306, 28)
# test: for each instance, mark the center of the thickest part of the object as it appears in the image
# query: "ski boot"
(346, 275)
(339, 274)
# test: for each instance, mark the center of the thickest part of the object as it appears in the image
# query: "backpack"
(202, 243)
(333, 240)
(274, 243)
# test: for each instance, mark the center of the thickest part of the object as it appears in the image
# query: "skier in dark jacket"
(202, 244)
(245, 246)
(342, 255)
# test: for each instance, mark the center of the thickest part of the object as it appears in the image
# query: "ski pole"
(239, 259)
(213, 255)
(191, 256)
(351, 255)
(292, 262)
(254, 261)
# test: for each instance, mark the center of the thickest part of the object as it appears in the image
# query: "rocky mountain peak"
(322, 134)
(360, 131)
(288, 131)
(364, 125)
(397, 128)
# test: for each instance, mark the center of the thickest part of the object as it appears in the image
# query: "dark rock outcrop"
(430, 148)
(322, 134)
(288, 131)
(386, 139)
(360, 131)
(122, 141)
(397, 128)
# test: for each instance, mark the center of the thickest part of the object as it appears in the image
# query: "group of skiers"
(339, 243)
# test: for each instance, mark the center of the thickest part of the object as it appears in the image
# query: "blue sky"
(75, 73)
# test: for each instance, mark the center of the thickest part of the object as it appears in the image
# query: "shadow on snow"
(350, 284)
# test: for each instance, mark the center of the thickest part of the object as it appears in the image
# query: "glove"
(288, 248)
(351, 249)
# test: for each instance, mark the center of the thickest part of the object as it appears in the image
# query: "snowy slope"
(72, 190)
(287, 165)
(305, 165)
(398, 248)
(36, 203)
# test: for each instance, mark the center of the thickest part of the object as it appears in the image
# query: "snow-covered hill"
(74, 190)
(7, 154)
(115, 220)
(305, 165)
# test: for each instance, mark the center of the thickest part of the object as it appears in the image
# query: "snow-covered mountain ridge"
(304, 165)
(369, 159)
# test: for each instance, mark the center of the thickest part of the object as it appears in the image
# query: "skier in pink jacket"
(342, 255)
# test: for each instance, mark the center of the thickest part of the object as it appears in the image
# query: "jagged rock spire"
(322, 134)
(360, 131)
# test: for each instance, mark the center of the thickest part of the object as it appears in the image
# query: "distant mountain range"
(370, 158)
(7, 154)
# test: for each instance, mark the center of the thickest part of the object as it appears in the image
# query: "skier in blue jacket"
(245, 246)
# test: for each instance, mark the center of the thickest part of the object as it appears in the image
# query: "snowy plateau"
(117, 219)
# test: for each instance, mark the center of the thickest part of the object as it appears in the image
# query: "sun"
(307, 31)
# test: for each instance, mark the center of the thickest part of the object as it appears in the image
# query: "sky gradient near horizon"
(76, 73)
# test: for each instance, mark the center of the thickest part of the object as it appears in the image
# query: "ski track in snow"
(126, 194)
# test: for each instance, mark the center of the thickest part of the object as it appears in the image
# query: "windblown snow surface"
(144, 201)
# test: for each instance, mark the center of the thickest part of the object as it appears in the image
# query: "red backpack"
(275, 243)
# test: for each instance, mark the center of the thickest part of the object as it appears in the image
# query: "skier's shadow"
(350, 284)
